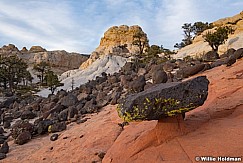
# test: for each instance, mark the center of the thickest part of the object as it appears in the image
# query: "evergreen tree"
(52, 81)
(190, 31)
(218, 37)
(41, 68)
(140, 40)
(13, 71)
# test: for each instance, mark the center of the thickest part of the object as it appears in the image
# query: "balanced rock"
(164, 100)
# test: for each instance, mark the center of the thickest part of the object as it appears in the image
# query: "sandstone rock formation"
(117, 41)
(60, 60)
(36, 49)
(9, 50)
(199, 47)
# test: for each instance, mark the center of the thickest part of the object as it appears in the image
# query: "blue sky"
(78, 25)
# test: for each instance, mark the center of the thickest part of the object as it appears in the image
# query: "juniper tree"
(13, 71)
(52, 81)
(41, 68)
(218, 37)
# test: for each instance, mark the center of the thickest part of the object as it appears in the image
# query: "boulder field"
(215, 129)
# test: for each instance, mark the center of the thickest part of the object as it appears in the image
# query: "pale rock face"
(106, 63)
(60, 60)
(199, 47)
(116, 41)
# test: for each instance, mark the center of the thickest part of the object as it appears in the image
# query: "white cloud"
(40, 23)
(172, 15)
(79, 25)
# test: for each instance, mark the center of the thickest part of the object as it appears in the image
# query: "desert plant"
(217, 37)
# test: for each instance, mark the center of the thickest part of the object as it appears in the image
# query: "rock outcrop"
(199, 47)
(117, 41)
(60, 60)
(9, 50)
(36, 49)
(164, 100)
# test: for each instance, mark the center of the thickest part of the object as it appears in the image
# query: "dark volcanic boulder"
(7, 124)
(2, 156)
(23, 138)
(54, 137)
(42, 126)
(57, 127)
(210, 56)
(219, 62)
(164, 100)
(138, 84)
(69, 100)
(21, 126)
(238, 53)
(189, 71)
(1, 130)
(72, 111)
(230, 61)
(159, 76)
(27, 114)
(63, 115)
(228, 53)
(9, 101)
(4, 148)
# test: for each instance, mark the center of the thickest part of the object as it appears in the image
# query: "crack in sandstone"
(183, 150)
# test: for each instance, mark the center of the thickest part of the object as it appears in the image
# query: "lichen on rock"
(164, 100)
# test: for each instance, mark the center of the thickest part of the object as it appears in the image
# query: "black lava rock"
(4, 148)
(54, 137)
(23, 138)
(57, 127)
(164, 100)
(2, 156)
(27, 114)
